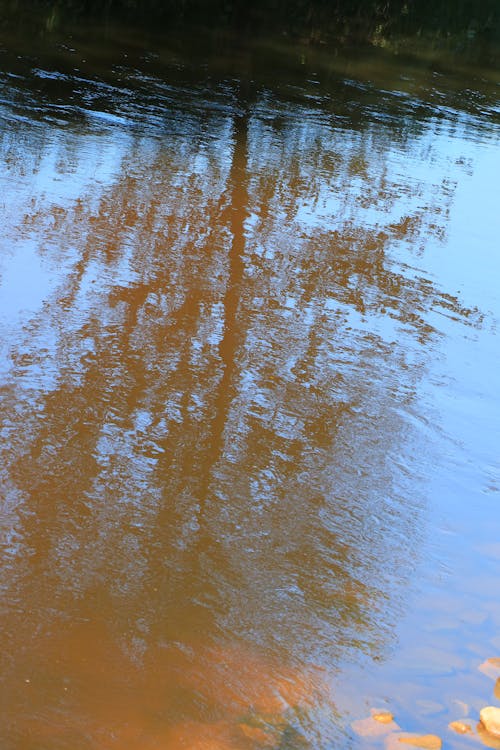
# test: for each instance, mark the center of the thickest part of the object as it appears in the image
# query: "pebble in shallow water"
(426, 741)
(496, 689)
(490, 718)
(383, 717)
(491, 667)
(460, 727)
(487, 739)
(373, 727)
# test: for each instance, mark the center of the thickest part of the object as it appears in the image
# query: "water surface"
(249, 380)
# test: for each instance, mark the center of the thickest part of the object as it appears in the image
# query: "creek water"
(249, 377)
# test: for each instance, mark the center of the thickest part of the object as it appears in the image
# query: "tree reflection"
(208, 421)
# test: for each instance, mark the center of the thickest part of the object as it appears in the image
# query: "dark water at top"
(249, 373)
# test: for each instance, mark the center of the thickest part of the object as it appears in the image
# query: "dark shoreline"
(313, 19)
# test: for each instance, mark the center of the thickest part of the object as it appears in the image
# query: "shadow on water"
(214, 334)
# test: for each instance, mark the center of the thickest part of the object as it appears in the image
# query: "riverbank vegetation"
(316, 18)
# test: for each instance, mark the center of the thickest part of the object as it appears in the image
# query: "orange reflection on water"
(214, 340)
(88, 690)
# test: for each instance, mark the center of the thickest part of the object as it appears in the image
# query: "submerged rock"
(496, 689)
(490, 718)
(489, 740)
(491, 667)
(383, 717)
(460, 727)
(372, 727)
(426, 741)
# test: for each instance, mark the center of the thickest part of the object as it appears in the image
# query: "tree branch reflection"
(210, 417)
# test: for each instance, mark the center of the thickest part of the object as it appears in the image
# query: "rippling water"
(249, 394)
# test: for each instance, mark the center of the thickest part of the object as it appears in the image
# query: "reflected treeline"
(343, 17)
(90, 69)
(436, 37)
(210, 451)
